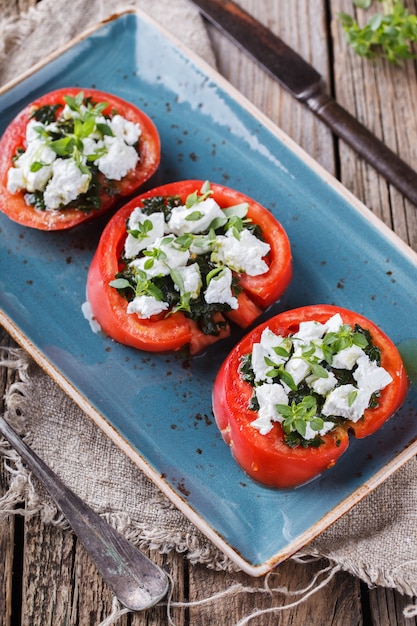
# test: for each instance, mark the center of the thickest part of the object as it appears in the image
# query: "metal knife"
(303, 82)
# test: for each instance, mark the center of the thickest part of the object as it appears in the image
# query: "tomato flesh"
(109, 308)
(15, 206)
(267, 458)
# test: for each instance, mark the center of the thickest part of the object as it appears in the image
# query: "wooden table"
(45, 576)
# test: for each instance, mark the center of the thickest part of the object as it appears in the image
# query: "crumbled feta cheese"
(195, 219)
(25, 178)
(270, 340)
(346, 358)
(259, 366)
(342, 401)
(369, 375)
(15, 179)
(219, 290)
(124, 129)
(310, 433)
(297, 367)
(33, 170)
(268, 397)
(66, 184)
(308, 331)
(191, 277)
(265, 349)
(347, 401)
(118, 160)
(171, 258)
(333, 324)
(134, 245)
(92, 146)
(243, 254)
(322, 385)
(33, 130)
(145, 306)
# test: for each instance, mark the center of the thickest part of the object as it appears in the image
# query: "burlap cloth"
(376, 541)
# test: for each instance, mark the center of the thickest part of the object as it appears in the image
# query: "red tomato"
(14, 205)
(267, 458)
(160, 334)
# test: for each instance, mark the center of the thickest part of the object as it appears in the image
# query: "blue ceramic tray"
(157, 408)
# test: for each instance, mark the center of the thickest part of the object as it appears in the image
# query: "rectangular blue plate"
(157, 408)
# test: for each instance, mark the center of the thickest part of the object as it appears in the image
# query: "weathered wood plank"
(303, 26)
(387, 606)
(7, 527)
(337, 603)
(383, 97)
(6, 560)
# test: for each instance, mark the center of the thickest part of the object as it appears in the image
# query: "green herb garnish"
(389, 33)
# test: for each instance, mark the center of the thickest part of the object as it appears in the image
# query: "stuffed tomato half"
(68, 156)
(292, 390)
(177, 264)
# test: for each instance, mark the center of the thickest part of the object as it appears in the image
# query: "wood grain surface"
(46, 578)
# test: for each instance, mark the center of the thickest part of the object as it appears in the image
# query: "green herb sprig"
(389, 33)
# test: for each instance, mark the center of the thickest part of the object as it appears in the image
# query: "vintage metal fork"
(136, 581)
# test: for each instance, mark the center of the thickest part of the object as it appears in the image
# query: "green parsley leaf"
(352, 397)
(389, 34)
(194, 216)
(142, 230)
(36, 166)
(237, 210)
(120, 283)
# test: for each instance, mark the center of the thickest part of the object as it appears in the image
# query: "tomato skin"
(13, 138)
(266, 458)
(109, 308)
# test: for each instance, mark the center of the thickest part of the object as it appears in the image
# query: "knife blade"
(305, 84)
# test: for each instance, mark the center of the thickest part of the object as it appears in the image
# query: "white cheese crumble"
(145, 306)
(24, 176)
(369, 376)
(311, 433)
(268, 397)
(346, 359)
(195, 219)
(118, 160)
(242, 254)
(125, 129)
(135, 244)
(298, 368)
(308, 331)
(191, 279)
(347, 401)
(265, 351)
(219, 290)
(322, 385)
(66, 184)
(163, 256)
